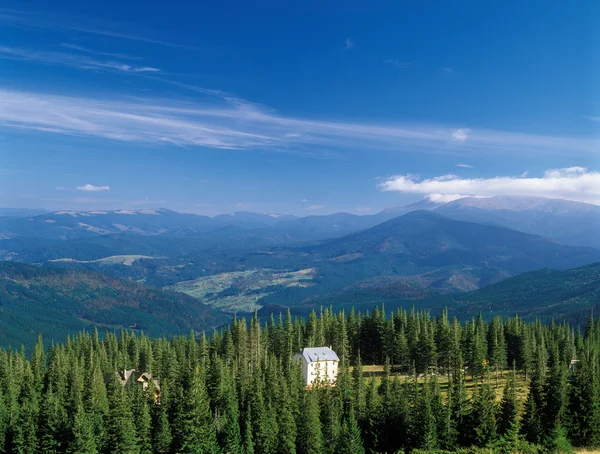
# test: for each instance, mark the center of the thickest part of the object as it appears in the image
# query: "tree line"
(240, 391)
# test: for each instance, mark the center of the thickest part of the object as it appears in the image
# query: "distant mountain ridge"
(566, 221)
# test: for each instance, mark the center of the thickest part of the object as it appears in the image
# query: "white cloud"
(71, 60)
(464, 166)
(461, 135)
(304, 200)
(349, 43)
(572, 183)
(314, 207)
(444, 198)
(222, 121)
(92, 188)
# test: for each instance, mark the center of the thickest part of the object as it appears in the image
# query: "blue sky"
(295, 108)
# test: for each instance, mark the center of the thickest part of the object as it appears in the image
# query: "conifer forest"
(444, 386)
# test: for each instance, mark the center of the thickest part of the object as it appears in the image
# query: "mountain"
(21, 212)
(248, 220)
(58, 302)
(565, 221)
(435, 240)
(546, 294)
(87, 224)
(420, 250)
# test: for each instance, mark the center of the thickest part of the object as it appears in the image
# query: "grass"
(240, 291)
(376, 371)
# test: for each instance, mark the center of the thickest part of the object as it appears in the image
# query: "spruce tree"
(350, 441)
(483, 415)
(194, 426)
(84, 439)
(121, 436)
(310, 438)
(508, 412)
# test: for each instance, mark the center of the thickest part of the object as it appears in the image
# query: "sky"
(296, 107)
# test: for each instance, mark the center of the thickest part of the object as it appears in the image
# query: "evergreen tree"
(350, 441)
(508, 412)
(84, 438)
(310, 437)
(121, 436)
(194, 427)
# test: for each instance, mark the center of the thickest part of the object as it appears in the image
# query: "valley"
(246, 262)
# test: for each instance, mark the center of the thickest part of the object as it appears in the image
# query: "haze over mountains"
(245, 261)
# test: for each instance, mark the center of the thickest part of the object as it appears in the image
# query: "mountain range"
(159, 232)
(245, 261)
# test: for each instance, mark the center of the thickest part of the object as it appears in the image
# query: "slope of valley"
(60, 302)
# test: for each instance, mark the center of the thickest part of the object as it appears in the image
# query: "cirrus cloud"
(572, 183)
(92, 188)
(221, 121)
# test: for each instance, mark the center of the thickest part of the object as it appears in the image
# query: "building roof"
(319, 354)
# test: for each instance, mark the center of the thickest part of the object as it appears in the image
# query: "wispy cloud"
(349, 43)
(219, 120)
(464, 166)
(92, 188)
(363, 209)
(572, 183)
(313, 207)
(398, 63)
(61, 188)
(26, 19)
(95, 52)
(71, 60)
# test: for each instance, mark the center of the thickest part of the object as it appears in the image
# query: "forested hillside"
(60, 302)
(239, 391)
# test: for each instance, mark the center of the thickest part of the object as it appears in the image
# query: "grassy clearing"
(126, 260)
(522, 384)
(240, 291)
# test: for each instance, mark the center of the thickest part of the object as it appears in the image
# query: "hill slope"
(560, 294)
(58, 302)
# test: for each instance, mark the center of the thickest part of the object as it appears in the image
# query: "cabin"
(140, 378)
(319, 364)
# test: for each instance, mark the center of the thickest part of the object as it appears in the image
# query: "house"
(319, 364)
(141, 378)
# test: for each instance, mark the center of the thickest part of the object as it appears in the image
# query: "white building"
(318, 363)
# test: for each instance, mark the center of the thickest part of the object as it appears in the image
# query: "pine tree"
(508, 412)
(84, 439)
(194, 427)
(310, 437)
(483, 415)
(350, 441)
(161, 429)
(555, 407)
(121, 435)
